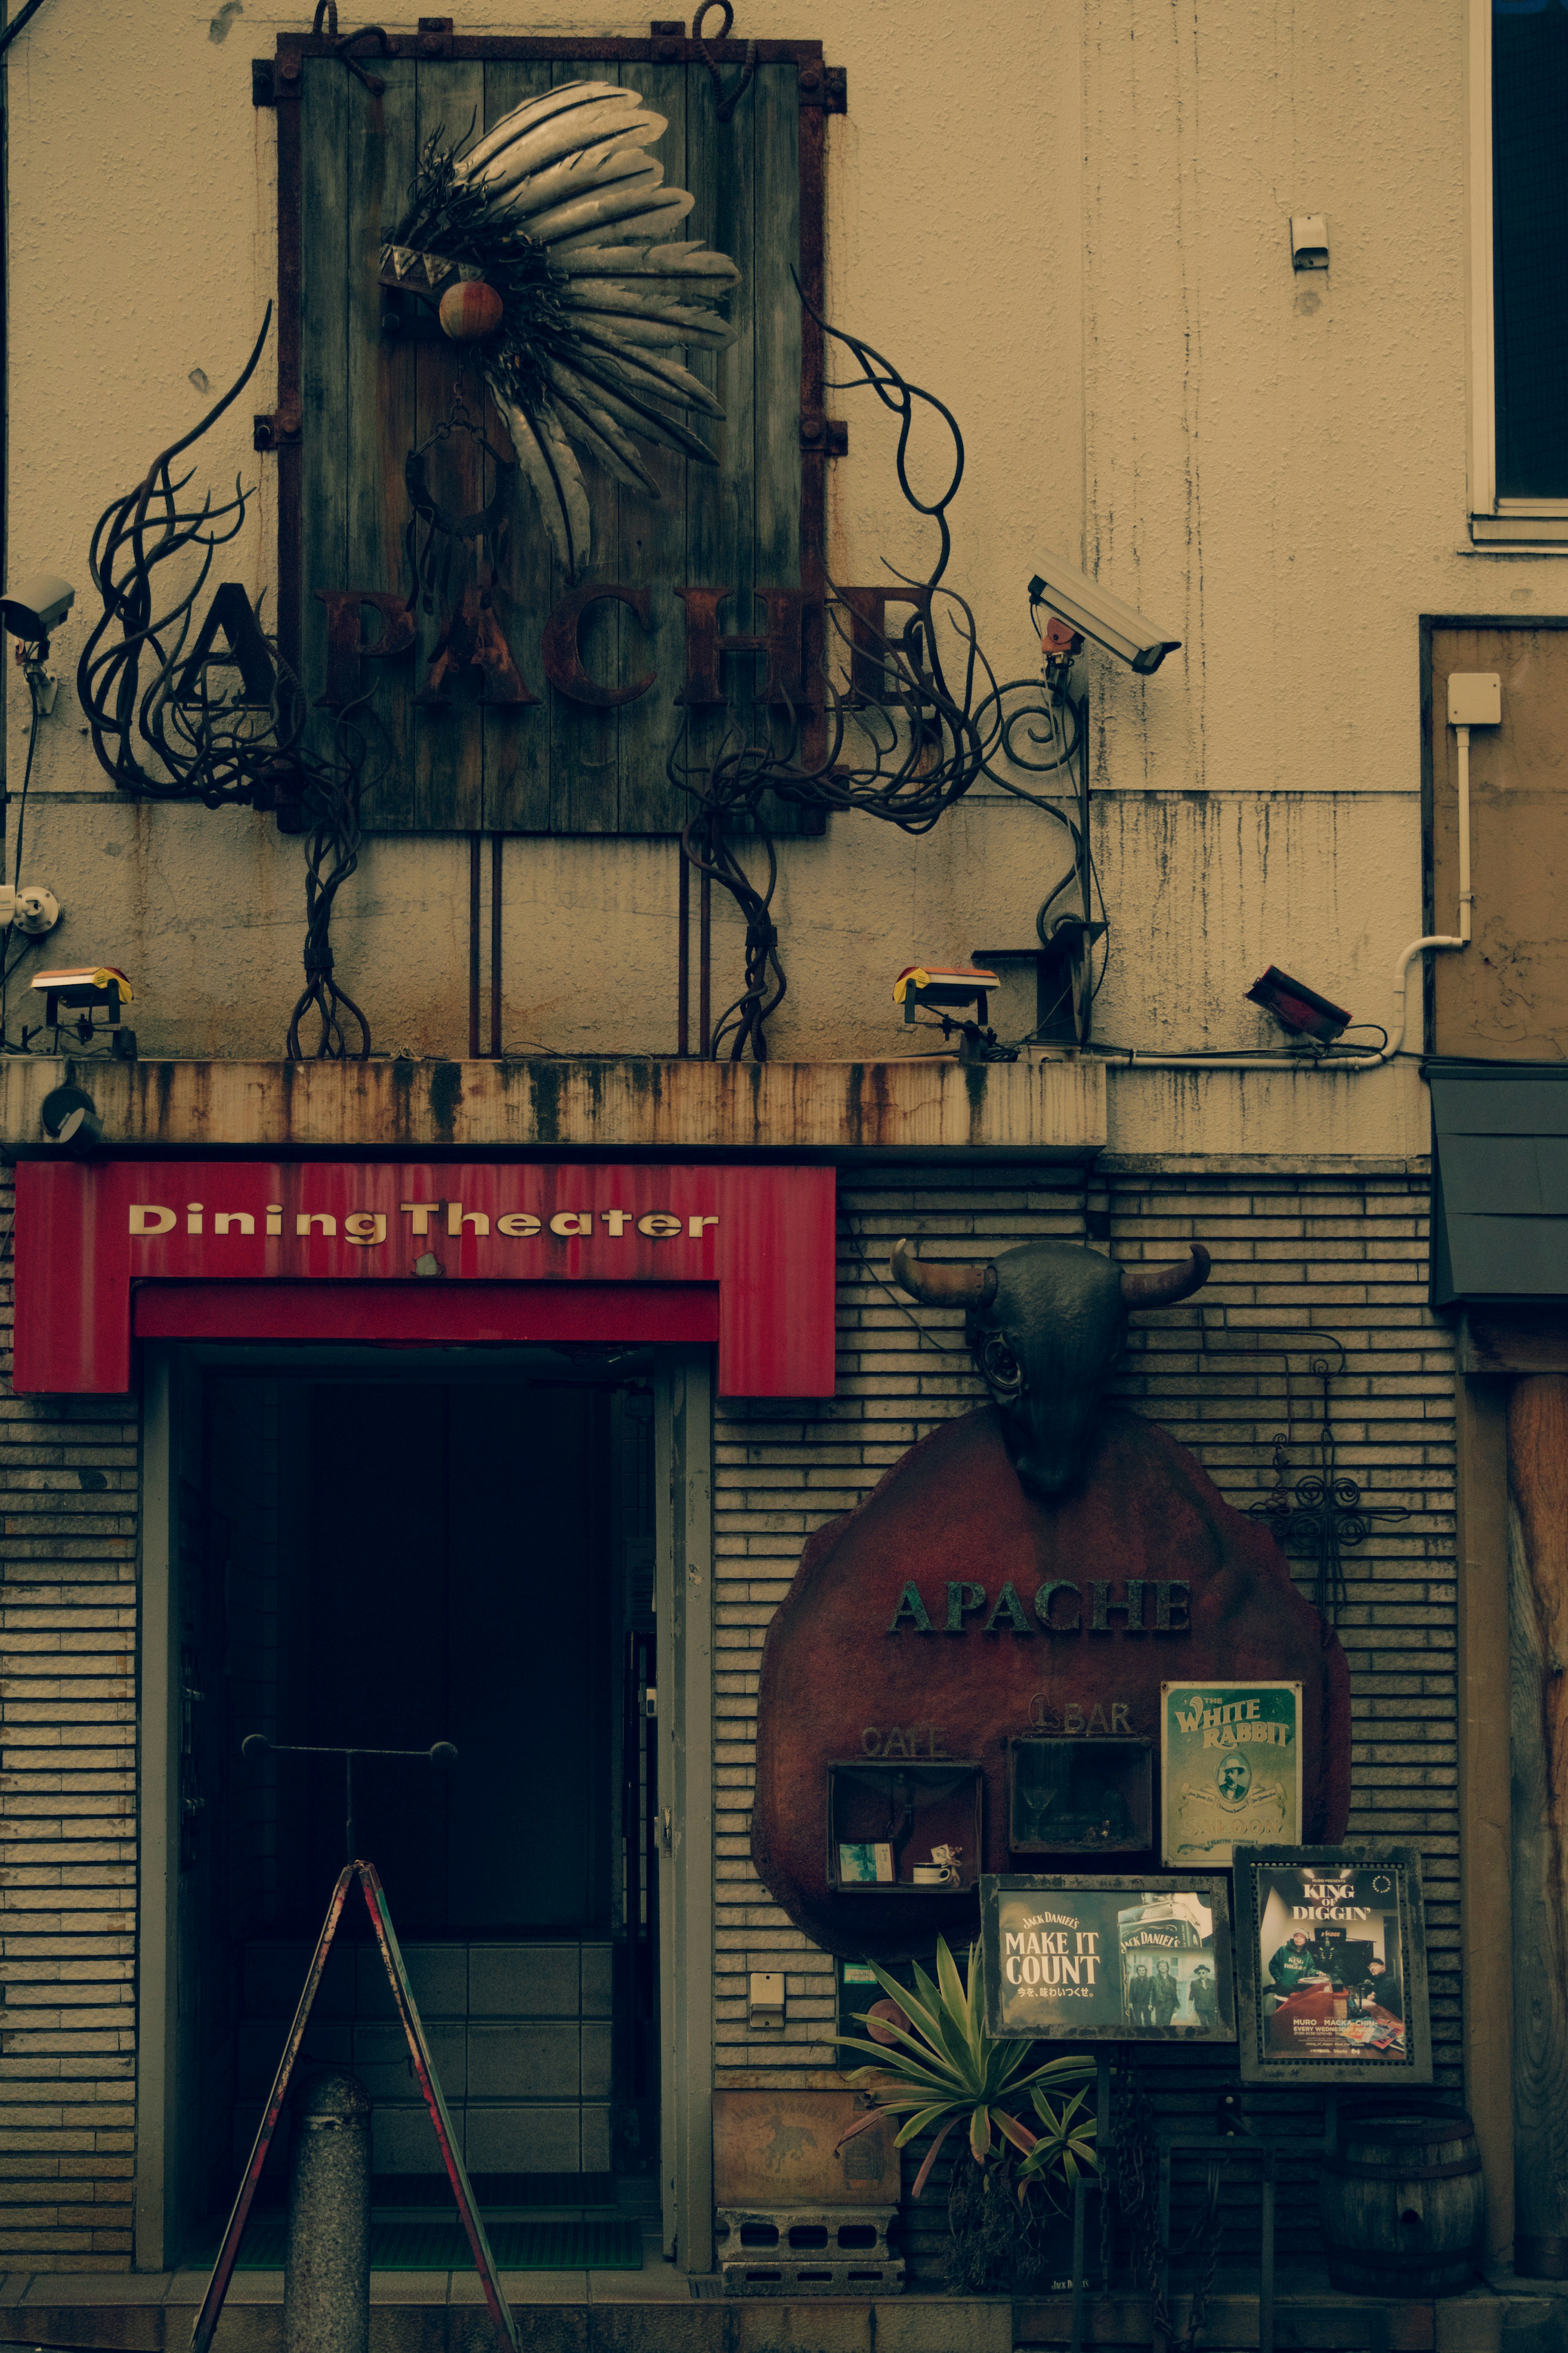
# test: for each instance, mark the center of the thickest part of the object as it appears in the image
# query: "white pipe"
(1461, 939)
(1467, 896)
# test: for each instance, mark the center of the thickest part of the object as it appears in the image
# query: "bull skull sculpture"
(1045, 1324)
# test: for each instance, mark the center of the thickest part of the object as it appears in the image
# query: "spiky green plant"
(946, 2069)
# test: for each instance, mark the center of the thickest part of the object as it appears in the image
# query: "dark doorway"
(388, 1563)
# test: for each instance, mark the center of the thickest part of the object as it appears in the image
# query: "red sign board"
(436, 1252)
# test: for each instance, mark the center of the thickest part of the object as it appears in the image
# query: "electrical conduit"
(1460, 939)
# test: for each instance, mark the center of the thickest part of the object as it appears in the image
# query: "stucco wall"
(1071, 222)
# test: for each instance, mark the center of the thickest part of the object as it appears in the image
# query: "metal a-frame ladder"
(424, 2067)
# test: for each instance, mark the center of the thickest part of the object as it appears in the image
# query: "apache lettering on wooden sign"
(965, 1607)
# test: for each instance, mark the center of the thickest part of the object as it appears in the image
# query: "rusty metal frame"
(279, 81)
(430, 2085)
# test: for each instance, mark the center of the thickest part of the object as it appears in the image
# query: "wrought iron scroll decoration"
(159, 731)
(1322, 1512)
(725, 100)
(922, 741)
(327, 12)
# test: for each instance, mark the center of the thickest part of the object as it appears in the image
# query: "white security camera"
(1099, 614)
(35, 605)
(33, 908)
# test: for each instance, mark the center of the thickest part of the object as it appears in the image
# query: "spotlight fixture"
(71, 1119)
(84, 990)
(943, 985)
(1298, 1009)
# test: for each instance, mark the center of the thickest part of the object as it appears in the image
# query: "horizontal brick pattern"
(67, 1840)
(1339, 1256)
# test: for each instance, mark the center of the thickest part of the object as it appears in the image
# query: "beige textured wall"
(1071, 221)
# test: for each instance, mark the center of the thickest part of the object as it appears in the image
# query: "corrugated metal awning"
(1499, 1183)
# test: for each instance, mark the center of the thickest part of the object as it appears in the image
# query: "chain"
(1205, 2235)
(1138, 2193)
(1106, 2156)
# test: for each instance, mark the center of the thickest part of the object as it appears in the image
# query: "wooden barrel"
(1402, 2204)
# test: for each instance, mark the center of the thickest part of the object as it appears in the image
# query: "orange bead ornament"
(470, 310)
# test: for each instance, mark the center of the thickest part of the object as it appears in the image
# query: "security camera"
(1099, 614)
(33, 908)
(35, 605)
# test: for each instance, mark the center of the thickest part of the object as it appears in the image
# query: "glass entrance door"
(388, 1564)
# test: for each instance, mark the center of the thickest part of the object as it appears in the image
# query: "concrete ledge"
(937, 2324)
(441, 2322)
(1039, 1110)
(1326, 2323)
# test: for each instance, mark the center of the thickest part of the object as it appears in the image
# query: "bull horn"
(941, 1285)
(1162, 1286)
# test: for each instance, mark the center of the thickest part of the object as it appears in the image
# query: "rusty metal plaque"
(780, 2149)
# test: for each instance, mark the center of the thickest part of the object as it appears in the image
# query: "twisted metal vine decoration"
(171, 739)
(904, 750)
(1322, 1512)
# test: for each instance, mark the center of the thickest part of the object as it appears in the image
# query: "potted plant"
(935, 2063)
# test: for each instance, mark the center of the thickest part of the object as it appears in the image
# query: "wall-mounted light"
(71, 1119)
(1297, 1007)
(84, 990)
(943, 985)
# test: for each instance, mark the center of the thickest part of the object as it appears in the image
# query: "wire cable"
(19, 24)
(7, 964)
(941, 1346)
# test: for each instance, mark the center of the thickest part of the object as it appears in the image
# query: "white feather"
(563, 136)
(531, 113)
(649, 263)
(615, 329)
(598, 207)
(671, 204)
(636, 411)
(547, 458)
(595, 167)
(588, 420)
(653, 375)
(677, 305)
(693, 260)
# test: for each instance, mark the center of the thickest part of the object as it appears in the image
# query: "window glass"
(1530, 189)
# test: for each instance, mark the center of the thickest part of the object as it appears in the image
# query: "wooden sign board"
(363, 381)
(780, 2149)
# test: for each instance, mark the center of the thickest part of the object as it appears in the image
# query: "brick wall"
(68, 1850)
(1339, 1255)
(1348, 1256)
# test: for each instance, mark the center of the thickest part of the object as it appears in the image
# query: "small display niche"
(904, 1828)
(1075, 1796)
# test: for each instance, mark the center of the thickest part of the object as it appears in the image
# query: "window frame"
(1517, 526)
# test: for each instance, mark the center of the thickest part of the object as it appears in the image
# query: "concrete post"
(326, 2263)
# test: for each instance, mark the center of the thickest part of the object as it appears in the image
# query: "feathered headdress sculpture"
(549, 245)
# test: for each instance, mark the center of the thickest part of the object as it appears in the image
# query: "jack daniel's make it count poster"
(1107, 1958)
